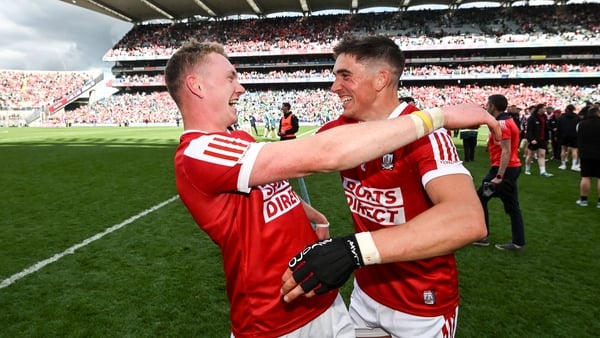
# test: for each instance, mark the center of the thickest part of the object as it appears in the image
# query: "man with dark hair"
(501, 179)
(408, 99)
(588, 141)
(288, 124)
(553, 119)
(567, 133)
(538, 135)
(407, 218)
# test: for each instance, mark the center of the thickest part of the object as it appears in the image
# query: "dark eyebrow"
(343, 71)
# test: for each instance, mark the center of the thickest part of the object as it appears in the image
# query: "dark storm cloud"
(53, 35)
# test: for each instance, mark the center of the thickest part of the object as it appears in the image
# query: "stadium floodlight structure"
(110, 10)
(158, 9)
(304, 6)
(205, 8)
(254, 6)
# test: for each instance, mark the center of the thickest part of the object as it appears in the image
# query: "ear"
(382, 79)
(192, 83)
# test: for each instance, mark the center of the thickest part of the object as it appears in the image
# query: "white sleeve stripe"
(446, 157)
(247, 164)
(442, 146)
(448, 170)
(217, 149)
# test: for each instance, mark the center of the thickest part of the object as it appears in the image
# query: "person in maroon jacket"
(538, 136)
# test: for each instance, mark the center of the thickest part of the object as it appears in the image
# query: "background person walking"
(588, 141)
(538, 135)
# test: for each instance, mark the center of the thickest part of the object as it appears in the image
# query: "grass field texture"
(94, 243)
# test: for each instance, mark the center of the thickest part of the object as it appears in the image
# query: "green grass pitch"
(157, 275)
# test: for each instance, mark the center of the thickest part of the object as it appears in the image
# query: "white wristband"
(437, 116)
(368, 250)
(322, 225)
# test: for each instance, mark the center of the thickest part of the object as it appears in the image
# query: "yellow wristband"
(426, 119)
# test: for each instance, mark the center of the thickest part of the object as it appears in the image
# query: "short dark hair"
(287, 105)
(538, 108)
(593, 111)
(499, 101)
(378, 47)
(570, 108)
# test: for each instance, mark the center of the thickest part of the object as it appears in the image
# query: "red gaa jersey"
(389, 191)
(257, 228)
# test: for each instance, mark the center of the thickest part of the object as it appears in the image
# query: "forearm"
(336, 149)
(343, 148)
(348, 146)
(313, 214)
(504, 160)
(440, 230)
(447, 226)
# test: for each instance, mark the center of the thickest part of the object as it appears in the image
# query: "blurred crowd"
(410, 72)
(315, 106)
(34, 89)
(410, 29)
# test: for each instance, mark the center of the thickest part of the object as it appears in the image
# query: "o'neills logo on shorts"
(384, 206)
(279, 197)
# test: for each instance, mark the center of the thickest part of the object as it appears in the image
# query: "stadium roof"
(145, 10)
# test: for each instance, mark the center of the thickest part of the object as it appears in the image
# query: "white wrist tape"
(419, 125)
(437, 116)
(322, 225)
(368, 250)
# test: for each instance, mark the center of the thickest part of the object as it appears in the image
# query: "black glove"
(326, 264)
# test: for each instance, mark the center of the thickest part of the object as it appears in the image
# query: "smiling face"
(219, 86)
(355, 86)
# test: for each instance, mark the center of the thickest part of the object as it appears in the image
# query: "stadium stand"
(531, 54)
(25, 96)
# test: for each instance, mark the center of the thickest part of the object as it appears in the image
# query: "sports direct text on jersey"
(384, 206)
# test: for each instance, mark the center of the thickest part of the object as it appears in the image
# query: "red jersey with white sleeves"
(509, 131)
(389, 191)
(257, 228)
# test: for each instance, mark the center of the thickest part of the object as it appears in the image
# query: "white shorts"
(333, 323)
(372, 319)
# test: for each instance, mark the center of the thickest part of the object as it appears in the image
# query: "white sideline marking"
(37, 266)
(310, 131)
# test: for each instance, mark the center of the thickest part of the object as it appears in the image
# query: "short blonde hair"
(191, 54)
